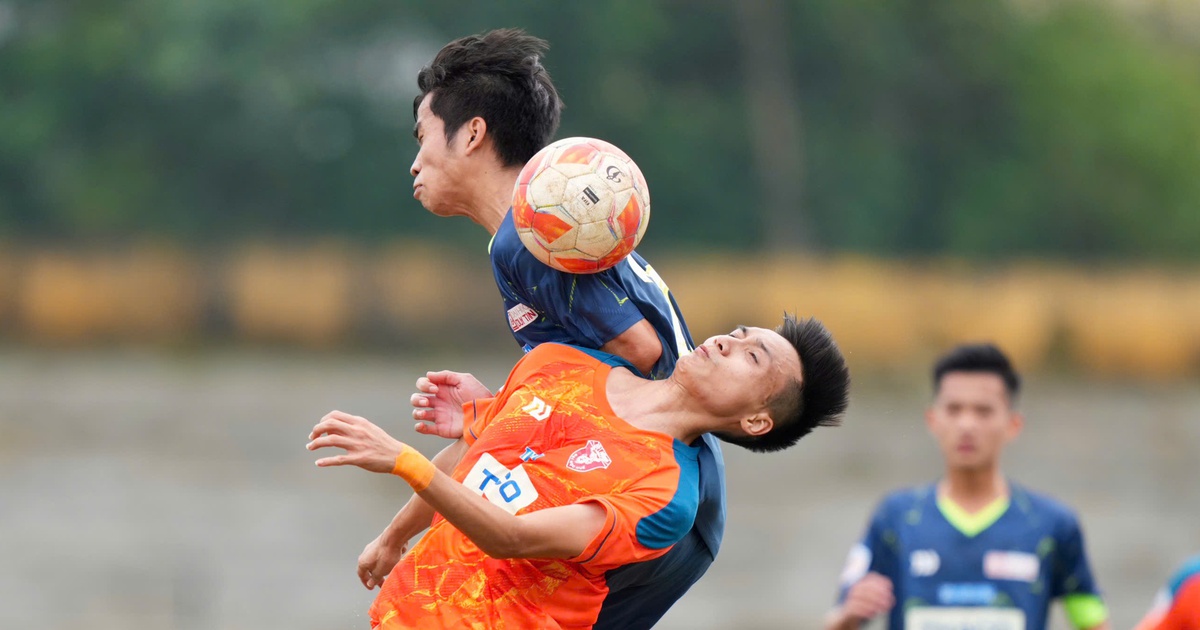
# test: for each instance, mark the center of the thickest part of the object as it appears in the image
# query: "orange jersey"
(1177, 606)
(548, 439)
(1184, 613)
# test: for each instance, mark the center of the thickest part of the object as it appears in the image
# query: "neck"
(659, 406)
(493, 196)
(973, 489)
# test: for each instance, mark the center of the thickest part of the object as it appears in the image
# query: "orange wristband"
(414, 468)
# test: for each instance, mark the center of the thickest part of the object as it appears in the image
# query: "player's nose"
(416, 166)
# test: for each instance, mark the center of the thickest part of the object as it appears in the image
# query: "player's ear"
(475, 130)
(1016, 422)
(758, 424)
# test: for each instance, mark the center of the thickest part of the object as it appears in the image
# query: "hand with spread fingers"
(439, 400)
(367, 446)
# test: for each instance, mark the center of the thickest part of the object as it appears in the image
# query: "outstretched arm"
(380, 556)
(438, 404)
(558, 532)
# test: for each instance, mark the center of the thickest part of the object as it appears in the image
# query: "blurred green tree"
(916, 127)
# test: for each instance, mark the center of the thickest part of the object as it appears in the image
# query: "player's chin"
(967, 462)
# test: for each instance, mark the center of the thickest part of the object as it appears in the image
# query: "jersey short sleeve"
(875, 552)
(544, 305)
(1184, 613)
(589, 309)
(475, 418)
(479, 412)
(1072, 573)
(645, 520)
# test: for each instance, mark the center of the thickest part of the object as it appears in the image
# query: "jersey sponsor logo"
(590, 457)
(1011, 565)
(945, 618)
(531, 455)
(858, 562)
(924, 562)
(509, 489)
(521, 316)
(538, 409)
(966, 594)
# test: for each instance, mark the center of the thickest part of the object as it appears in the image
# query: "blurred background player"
(583, 466)
(1177, 606)
(973, 550)
(486, 106)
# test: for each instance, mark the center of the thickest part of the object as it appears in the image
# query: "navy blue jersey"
(1003, 577)
(543, 305)
(588, 310)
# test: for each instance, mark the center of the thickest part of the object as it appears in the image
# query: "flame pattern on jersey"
(648, 491)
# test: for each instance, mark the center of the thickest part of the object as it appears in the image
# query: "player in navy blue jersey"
(974, 549)
(486, 106)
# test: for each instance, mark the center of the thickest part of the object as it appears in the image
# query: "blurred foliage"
(980, 129)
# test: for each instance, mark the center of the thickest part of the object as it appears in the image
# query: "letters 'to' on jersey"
(548, 439)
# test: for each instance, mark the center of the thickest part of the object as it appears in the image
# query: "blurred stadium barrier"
(1118, 321)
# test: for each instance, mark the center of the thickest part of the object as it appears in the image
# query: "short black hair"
(817, 400)
(497, 75)
(983, 358)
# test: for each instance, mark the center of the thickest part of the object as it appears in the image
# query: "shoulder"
(1042, 504)
(1189, 570)
(904, 499)
(506, 248)
(1041, 507)
(553, 352)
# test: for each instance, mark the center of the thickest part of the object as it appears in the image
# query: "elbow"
(644, 357)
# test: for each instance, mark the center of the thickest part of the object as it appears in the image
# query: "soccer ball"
(581, 205)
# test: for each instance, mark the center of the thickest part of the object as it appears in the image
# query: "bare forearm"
(556, 532)
(639, 345)
(417, 514)
(492, 529)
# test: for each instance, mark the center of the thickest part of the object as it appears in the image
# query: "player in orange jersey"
(1178, 604)
(579, 466)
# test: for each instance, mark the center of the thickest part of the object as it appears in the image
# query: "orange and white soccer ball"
(581, 205)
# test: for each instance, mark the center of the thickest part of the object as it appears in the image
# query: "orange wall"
(886, 314)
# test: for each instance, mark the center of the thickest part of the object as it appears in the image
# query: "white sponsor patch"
(924, 562)
(521, 316)
(858, 562)
(925, 618)
(538, 409)
(509, 489)
(1011, 565)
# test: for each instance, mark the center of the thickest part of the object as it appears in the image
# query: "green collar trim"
(971, 524)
